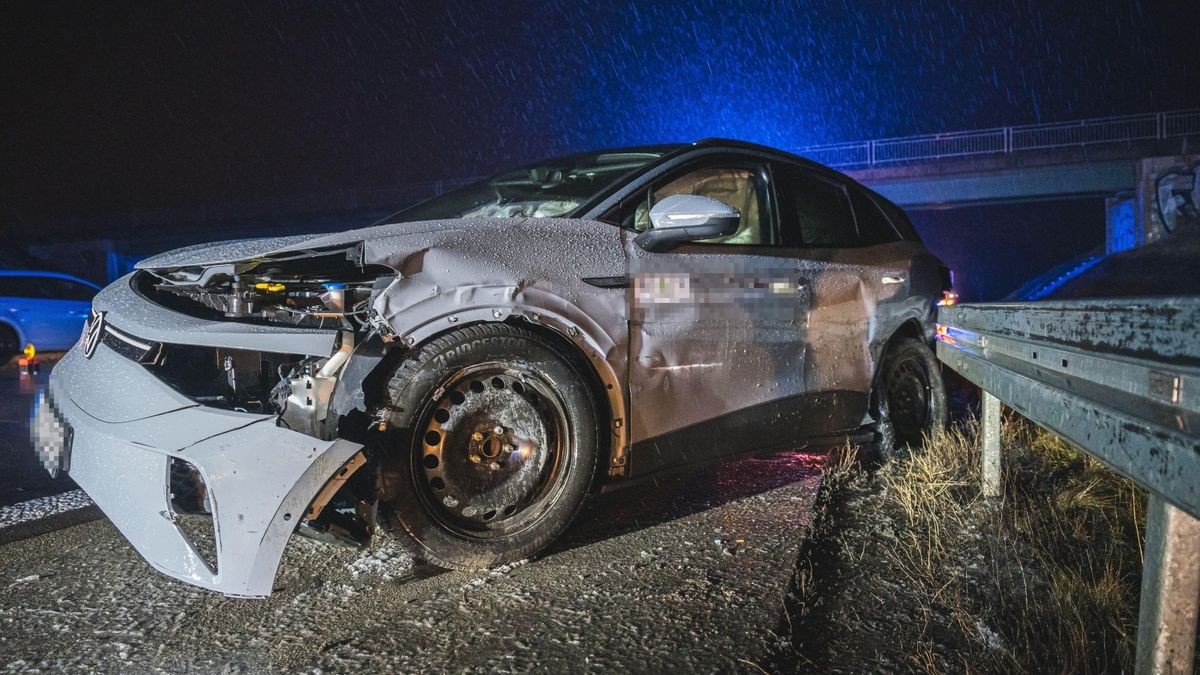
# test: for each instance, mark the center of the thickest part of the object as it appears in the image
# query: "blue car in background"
(45, 308)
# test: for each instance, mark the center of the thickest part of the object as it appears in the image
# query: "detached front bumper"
(126, 425)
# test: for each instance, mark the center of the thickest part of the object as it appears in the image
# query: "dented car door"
(858, 280)
(717, 330)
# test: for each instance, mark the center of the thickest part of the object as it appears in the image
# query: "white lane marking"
(42, 507)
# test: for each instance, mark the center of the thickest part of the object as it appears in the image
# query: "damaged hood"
(240, 250)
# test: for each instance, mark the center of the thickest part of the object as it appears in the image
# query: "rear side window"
(65, 289)
(898, 218)
(873, 226)
(23, 287)
(814, 212)
(44, 288)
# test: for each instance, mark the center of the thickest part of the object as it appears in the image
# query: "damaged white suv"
(469, 371)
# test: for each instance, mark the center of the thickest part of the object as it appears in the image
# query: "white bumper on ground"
(126, 425)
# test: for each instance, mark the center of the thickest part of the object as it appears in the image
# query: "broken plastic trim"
(335, 483)
(192, 510)
(338, 513)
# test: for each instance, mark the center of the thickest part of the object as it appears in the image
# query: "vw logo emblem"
(93, 333)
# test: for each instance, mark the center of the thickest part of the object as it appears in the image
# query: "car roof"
(45, 274)
(783, 155)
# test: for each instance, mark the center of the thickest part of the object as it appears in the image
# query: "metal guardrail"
(1007, 140)
(1121, 380)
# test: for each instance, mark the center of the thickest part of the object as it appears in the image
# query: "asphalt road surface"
(22, 477)
(686, 574)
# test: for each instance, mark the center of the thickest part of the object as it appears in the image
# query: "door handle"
(888, 279)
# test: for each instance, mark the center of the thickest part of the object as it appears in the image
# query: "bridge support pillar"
(1121, 225)
(1167, 190)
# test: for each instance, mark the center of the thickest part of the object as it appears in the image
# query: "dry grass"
(1044, 580)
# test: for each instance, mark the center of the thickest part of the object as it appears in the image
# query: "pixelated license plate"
(51, 436)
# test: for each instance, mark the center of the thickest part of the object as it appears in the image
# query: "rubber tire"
(9, 345)
(410, 390)
(888, 440)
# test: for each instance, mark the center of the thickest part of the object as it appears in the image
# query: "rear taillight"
(949, 299)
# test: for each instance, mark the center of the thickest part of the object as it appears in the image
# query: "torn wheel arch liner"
(419, 323)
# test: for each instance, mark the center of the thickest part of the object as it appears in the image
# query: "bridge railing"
(1117, 129)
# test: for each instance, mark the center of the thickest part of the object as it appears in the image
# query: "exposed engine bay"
(295, 388)
(322, 288)
(316, 288)
(313, 289)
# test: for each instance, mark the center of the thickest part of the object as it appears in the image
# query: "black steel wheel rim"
(492, 450)
(909, 397)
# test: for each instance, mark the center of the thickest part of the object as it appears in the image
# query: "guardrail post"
(1170, 590)
(991, 445)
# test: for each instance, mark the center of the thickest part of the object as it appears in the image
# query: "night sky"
(112, 106)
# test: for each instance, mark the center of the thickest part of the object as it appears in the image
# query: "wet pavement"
(687, 573)
(22, 477)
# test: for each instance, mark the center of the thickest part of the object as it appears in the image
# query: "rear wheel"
(9, 344)
(910, 395)
(496, 444)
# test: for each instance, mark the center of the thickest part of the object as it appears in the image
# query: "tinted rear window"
(23, 287)
(813, 212)
(46, 288)
(873, 226)
(897, 216)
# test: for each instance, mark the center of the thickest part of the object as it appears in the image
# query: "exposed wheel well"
(373, 384)
(909, 329)
(604, 410)
(10, 340)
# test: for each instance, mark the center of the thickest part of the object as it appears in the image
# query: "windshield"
(545, 190)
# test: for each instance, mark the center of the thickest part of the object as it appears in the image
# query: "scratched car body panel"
(688, 302)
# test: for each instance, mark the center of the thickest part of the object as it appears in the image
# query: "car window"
(742, 188)
(896, 216)
(24, 287)
(873, 226)
(45, 288)
(550, 189)
(814, 212)
(65, 289)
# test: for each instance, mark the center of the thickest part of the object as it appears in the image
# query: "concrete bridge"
(1084, 158)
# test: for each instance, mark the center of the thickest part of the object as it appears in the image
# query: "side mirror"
(681, 218)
